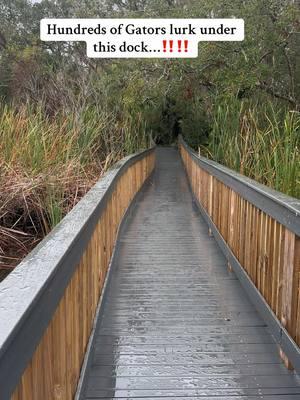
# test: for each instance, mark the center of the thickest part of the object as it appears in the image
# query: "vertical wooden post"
(210, 199)
(289, 287)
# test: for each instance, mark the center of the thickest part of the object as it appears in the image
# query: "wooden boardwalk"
(175, 323)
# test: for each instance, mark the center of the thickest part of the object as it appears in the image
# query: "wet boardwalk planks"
(175, 323)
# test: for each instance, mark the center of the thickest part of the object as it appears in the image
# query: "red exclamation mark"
(179, 46)
(186, 42)
(171, 46)
(165, 45)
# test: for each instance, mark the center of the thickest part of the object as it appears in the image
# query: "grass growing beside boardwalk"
(47, 165)
(259, 142)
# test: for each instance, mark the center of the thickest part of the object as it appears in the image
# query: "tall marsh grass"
(259, 142)
(48, 164)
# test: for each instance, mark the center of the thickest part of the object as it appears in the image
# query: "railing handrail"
(30, 295)
(283, 208)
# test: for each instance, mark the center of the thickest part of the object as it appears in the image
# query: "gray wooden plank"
(173, 383)
(220, 397)
(191, 370)
(192, 340)
(191, 392)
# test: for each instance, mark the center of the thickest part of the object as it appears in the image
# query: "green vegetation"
(259, 142)
(64, 118)
(48, 164)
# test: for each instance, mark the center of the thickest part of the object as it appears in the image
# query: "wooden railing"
(48, 303)
(258, 230)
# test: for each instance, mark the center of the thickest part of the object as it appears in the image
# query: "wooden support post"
(210, 200)
(289, 287)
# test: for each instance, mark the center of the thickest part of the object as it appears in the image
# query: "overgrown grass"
(48, 164)
(259, 142)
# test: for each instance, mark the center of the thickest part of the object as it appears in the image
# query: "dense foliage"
(65, 118)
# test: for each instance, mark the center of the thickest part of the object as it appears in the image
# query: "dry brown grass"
(47, 166)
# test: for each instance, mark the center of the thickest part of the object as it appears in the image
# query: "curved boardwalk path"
(175, 323)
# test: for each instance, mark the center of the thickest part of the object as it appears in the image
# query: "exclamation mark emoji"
(186, 42)
(171, 46)
(179, 46)
(165, 45)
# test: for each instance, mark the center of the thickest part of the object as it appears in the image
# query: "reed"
(48, 164)
(258, 141)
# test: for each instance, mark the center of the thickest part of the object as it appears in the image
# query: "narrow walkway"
(175, 322)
